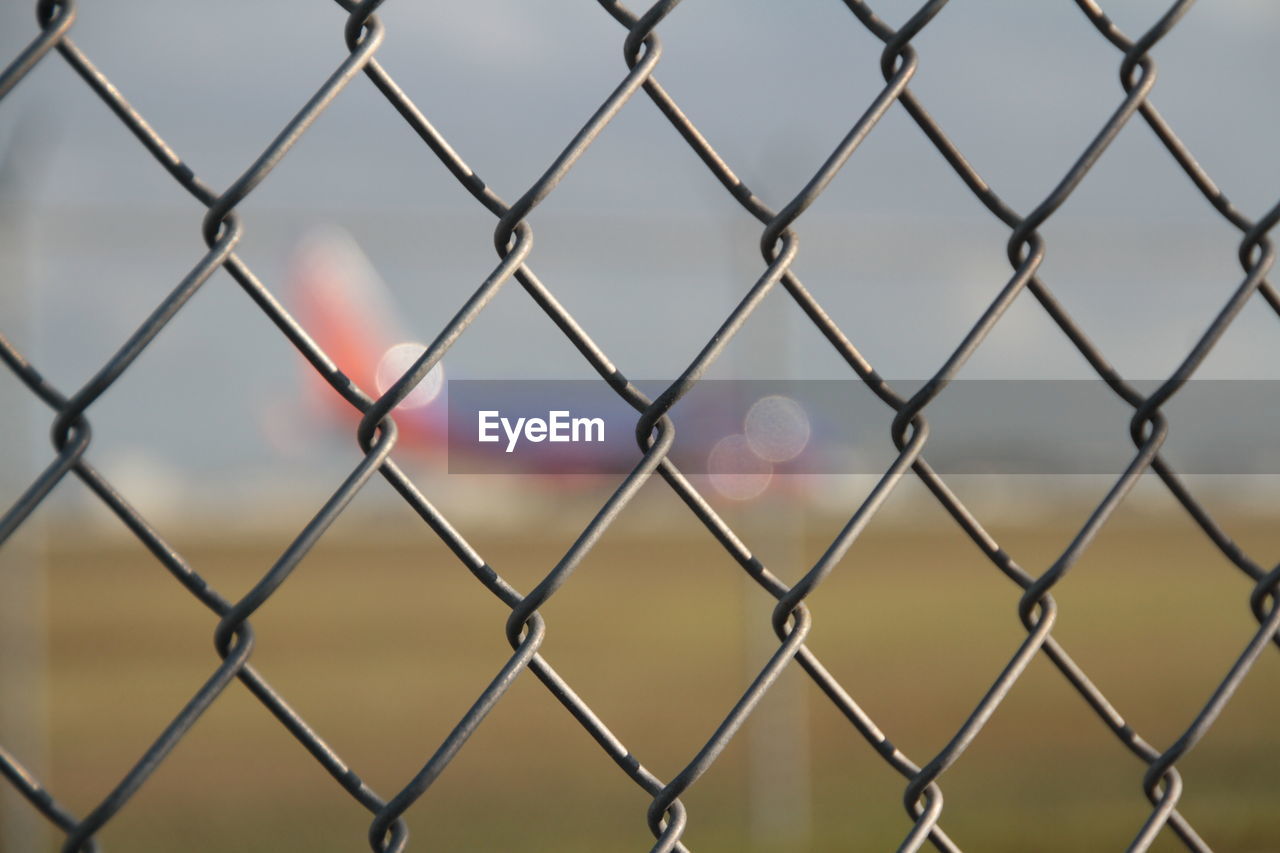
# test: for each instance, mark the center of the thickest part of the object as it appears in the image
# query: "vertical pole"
(779, 794)
(777, 733)
(22, 582)
(22, 660)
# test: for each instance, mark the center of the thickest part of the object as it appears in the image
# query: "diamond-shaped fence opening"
(702, 574)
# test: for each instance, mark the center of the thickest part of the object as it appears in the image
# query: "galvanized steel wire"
(525, 628)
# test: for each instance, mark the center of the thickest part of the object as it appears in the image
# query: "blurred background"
(382, 639)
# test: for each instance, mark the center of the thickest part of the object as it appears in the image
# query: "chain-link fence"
(780, 224)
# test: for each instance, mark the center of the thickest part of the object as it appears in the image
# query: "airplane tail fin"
(345, 306)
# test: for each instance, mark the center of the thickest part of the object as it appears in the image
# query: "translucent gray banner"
(812, 427)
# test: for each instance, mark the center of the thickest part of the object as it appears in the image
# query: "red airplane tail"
(346, 308)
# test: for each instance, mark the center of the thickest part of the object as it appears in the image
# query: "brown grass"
(382, 645)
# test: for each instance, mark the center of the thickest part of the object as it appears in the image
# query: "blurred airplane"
(345, 306)
(347, 309)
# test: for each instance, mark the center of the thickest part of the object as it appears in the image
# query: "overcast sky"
(639, 241)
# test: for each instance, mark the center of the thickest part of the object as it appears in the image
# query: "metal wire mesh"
(525, 628)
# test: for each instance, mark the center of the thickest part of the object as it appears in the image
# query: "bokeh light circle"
(776, 428)
(736, 471)
(395, 362)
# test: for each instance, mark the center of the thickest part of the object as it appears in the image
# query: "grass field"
(382, 643)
